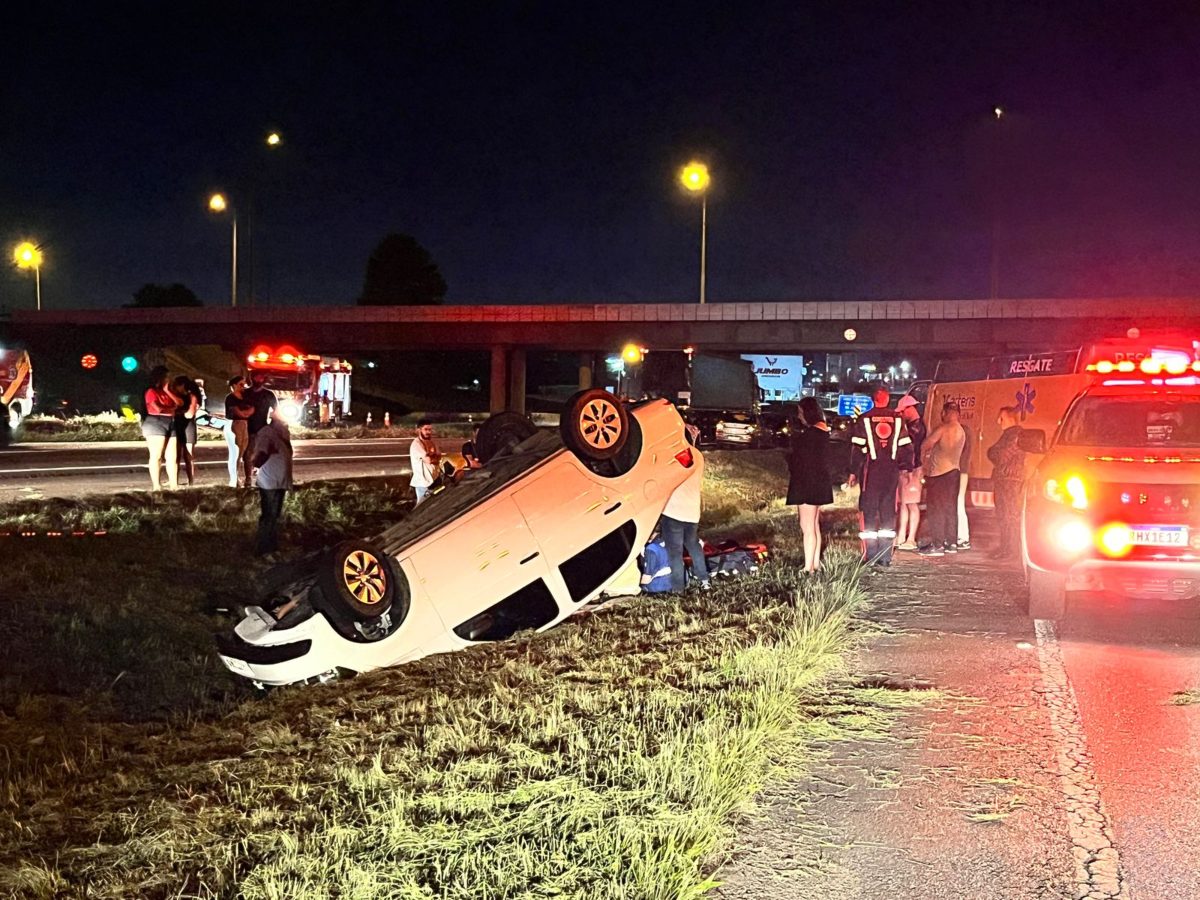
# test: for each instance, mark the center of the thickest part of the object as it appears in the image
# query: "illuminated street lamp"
(695, 180)
(274, 139)
(218, 204)
(28, 255)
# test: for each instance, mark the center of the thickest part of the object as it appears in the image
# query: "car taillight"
(1071, 490)
(1073, 536)
(684, 457)
(1115, 539)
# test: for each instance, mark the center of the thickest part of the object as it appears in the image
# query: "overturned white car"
(541, 529)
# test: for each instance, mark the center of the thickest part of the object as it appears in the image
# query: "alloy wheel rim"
(364, 577)
(600, 424)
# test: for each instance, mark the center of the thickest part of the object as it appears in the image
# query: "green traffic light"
(129, 364)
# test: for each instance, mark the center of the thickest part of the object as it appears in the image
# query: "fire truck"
(304, 382)
(1041, 385)
(16, 384)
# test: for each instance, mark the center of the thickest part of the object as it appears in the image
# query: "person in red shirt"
(158, 428)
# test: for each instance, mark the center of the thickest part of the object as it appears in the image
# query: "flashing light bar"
(1147, 365)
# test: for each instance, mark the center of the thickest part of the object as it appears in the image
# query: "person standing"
(943, 450)
(1008, 480)
(880, 448)
(238, 410)
(964, 466)
(264, 401)
(273, 460)
(158, 428)
(425, 458)
(681, 524)
(809, 484)
(185, 423)
(908, 500)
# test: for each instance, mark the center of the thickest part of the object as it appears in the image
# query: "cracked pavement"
(1057, 762)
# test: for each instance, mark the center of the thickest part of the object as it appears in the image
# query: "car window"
(477, 485)
(590, 568)
(1168, 422)
(530, 607)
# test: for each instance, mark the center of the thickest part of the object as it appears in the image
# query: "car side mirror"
(1032, 440)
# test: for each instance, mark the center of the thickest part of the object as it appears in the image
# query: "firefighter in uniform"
(881, 447)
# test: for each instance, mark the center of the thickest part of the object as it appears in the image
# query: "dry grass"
(605, 758)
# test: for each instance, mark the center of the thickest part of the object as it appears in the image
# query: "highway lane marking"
(1097, 864)
(199, 462)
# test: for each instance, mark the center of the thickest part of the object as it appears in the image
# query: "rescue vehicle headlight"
(1115, 539)
(1070, 490)
(290, 411)
(1073, 536)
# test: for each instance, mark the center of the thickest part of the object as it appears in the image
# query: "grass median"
(608, 757)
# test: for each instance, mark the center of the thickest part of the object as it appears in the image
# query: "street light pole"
(28, 255)
(37, 282)
(695, 180)
(703, 242)
(233, 277)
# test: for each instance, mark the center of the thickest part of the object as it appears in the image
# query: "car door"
(483, 559)
(579, 520)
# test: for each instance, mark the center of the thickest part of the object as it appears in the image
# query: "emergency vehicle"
(1041, 385)
(303, 382)
(1114, 504)
(16, 384)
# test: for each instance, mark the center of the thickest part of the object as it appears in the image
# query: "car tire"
(360, 581)
(594, 425)
(501, 432)
(1047, 595)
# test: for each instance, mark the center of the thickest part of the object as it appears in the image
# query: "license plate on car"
(1160, 535)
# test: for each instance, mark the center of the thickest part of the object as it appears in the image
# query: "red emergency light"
(282, 358)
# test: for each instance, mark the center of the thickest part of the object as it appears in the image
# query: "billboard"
(780, 378)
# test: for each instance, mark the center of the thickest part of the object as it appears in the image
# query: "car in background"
(1114, 506)
(522, 543)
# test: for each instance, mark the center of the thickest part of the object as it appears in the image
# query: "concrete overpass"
(905, 326)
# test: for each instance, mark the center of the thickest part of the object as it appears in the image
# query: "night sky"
(532, 148)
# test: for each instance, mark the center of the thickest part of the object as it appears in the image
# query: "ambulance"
(1113, 504)
(1041, 385)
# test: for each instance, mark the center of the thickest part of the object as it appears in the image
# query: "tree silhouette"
(401, 272)
(156, 296)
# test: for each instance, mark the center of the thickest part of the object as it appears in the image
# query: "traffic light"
(89, 361)
(129, 364)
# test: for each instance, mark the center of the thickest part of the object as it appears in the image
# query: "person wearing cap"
(908, 495)
(942, 452)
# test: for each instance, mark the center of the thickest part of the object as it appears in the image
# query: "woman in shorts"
(809, 484)
(158, 428)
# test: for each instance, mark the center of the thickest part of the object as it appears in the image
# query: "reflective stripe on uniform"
(871, 442)
(861, 441)
(886, 534)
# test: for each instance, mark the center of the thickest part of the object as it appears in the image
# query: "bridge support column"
(586, 361)
(516, 380)
(498, 382)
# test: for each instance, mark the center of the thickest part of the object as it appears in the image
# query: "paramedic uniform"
(881, 447)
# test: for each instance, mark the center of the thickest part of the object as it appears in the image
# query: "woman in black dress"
(809, 485)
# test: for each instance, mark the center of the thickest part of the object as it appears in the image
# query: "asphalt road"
(30, 471)
(1045, 759)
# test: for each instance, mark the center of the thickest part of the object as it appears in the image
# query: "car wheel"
(594, 425)
(501, 432)
(1047, 595)
(360, 579)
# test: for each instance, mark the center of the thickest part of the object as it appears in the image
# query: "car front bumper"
(282, 656)
(1167, 579)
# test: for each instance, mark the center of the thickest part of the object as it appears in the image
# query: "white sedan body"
(532, 553)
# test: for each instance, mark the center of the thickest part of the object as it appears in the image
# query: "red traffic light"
(89, 361)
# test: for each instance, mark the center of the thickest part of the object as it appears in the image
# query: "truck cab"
(1114, 504)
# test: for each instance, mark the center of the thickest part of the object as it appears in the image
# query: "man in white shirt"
(681, 527)
(272, 457)
(424, 456)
